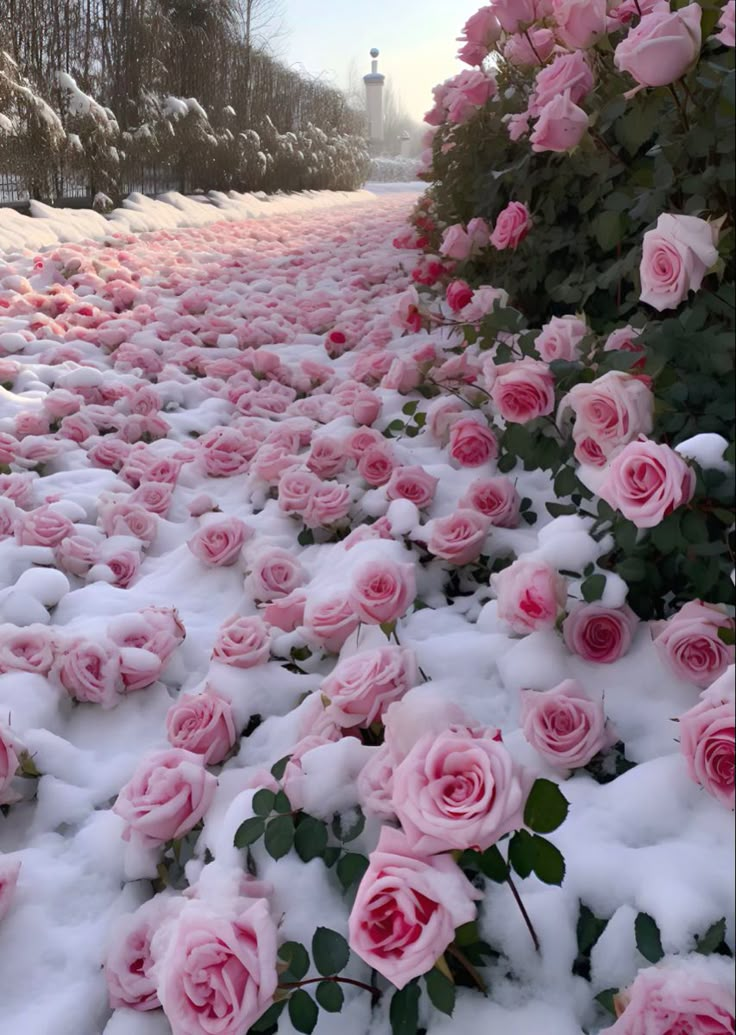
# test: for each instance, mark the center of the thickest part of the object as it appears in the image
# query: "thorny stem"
(638, 8)
(522, 909)
(678, 102)
(604, 143)
(467, 966)
(375, 992)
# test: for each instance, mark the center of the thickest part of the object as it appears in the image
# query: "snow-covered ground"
(121, 361)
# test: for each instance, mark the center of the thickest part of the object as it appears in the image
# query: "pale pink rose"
(523, 391)
(330, 620)
(663, 46)
(362, 440)
(8, 447)
(646, 481)
(442, 413)
(215, 969)
(455, 243)
(43, 526)
(407, 314)
(676, 255)
(567, 72)
(242, 642)
(480, 33)
(109, 452)
(560, 125)
(624, 339)
(479, 231)
(693, 996)
(511, 227)
(274, 573)
(327, 457)
(458, 789)
(361, 686)
(530, 595)
(407, 909)
(458, 295)
(560, 338)
(376, 465)
(689, 644)
(496, 498)
(296, 489)
(328, 504)
(472, 443)
(612, 410)
(382, 591)
(158, 630)
(598, 633)
(203, 724)
(727, 25)
(366, 408)
(226, 452)
(89, 670)
(154, 497)
(286, 613)
(202, 504)
(516, 14)
(128, 966)
(30, 649)
(402, 376)
(9, 872)
(485, 299)
(707, 740)
(168, 794)
(579, 22)
(129, 519)
(564, 725)
(123, 564)
(458, 537)
(18, 488)
(375, 783)
(412, 483)
(218, 544)
(527, 53)
(10, 749)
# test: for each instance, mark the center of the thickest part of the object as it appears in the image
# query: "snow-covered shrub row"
(393, 170)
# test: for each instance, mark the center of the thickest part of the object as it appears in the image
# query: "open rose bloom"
(707, 742)
(565, 725)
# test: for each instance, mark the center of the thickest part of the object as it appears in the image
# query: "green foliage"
(404, 1010)
(648, 938)
(546, 807)
(330, 951)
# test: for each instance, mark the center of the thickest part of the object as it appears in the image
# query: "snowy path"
(212, 360)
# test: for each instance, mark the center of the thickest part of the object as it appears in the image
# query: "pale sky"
(417, 40)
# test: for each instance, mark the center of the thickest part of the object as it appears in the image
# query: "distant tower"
(374, 99)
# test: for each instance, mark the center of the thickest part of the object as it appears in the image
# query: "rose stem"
(375, 992)
(468, 966)
(525, 915)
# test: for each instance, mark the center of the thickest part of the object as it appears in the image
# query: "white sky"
(417, 40)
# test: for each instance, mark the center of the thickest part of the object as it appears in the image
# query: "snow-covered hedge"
(393, 170)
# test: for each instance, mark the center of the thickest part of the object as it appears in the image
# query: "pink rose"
(376, 465)
(707, 740)
(624, 339)
(560, 125)
(646, 481)
(226, 452)
(599, 634)
(480, 33)
(128, 519)
(455, 243)
(458, 295)
(216, 971)
(727, 25)
(361, 686)
(560, 338)
(43, 526)
(274, 573)
(676, 255)
(407, 908)
(485, 299)
(689, 644)
(523, 391)
(375, 783)
(413, 484)
(456, 790)
(158, 630)
(129, 965)
(89, 670)
(407, 314)
(526, 53)
(662, 47)
(286, 613)
(530, 595)
(678, 995)
(123, 565)
(328, 504)
(218, 544)
(242, 642)
(10, 749)
(330, 620)
(515, 14)
(327, 457)
(167, 795)
(496, 498)
(511, 227)
(567, 72)
(30, 649)
(441, 415)
(459, 537)
(382, 591)
(154, 497)
(472, 443)
(296, 489)
(203, 724)
(564, 725)
(612, 410)
(9, 872)
(579, 22)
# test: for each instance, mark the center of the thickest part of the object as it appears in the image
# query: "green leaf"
(632, 569)
(263, 802)
(548, 862)
(330, 951)
(593, 588)
(713, 937)
(279, 768)
(404, 1010)
(605, 998)
(297, 958)
(281, 803)
(546, 807)
(310, 839)
(410, 408)
(521, 852)
(249, 832)
(648, 938)
(493, 865)
(441, 991)
(467, 934)
(346, 828)
(305, 537)
(589, 929)
(351, 868)
(303, 1012)
(279, 836)
(608, 230)
(269, 1018)
(330, 996)
(727, 635)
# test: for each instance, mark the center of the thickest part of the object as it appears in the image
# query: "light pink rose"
(612, 410)
(598, 633)
(330, 620)
(457, 790)
(362, 686)
(459, 537)
(242, 642)
(472, 443)
(18, 488)
(154, 497)
(407, 908)
(9, 872)
(376, 465)
(624, 339)
(43, 526)
(328, 504)
(727, 25)
(485, 299)
(560, 338)
(375, 783)
(407, 314)
(497, 498)
(412, 483)
(527, 53)
(706, 734)
(30, 649)
(226, 452)
(530, 595)
(480, 32)
(218, 544)
(646, 481)
(511, 227)
(10, 749)
(167, 795)
(215, 970)
(579, 22)
(560, 125)
(692, 995)
(676, 255)
(158, 630)
(523, 391)
(297, 486)
(455, 243)
(515, 14)
(662, 46)
(274, 573)
(89, 670)
(123, 564)
(128, 519)
(382, 591)
(327, 457)
(689, 644)
(564, 725)
(567, 72)
(286, 613)
(203, 724)
(128, 966)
